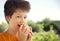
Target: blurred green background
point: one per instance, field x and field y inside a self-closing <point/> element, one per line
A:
<point x="46" y="30"/>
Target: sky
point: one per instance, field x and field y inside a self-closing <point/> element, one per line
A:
<point x="40" y="9"/>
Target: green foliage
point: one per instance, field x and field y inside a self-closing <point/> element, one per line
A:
<point x="35" y="27"/>
<point x="46" y="21"/>
<point x="45" y="36"/>
<point x="3" y="27"/>
<point x="41" y="27"/>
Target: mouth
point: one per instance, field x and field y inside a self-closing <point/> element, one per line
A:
<point x="19" y="25"/>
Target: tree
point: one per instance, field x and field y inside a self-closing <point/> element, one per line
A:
<point x="35" y="27"/>
<point x="3" y="27"/>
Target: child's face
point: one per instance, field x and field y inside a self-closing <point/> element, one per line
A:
<point x="17" y="18"/>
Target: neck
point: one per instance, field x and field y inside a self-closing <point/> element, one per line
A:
<point x="11" y="32"/>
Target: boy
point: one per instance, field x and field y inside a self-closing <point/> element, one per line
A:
<point x="16" y="13"/>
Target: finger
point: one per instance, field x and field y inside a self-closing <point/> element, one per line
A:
<point x="26" y="28"/>
<point x="31" y="30"/>
<point x="20" y="28"/>
<point x="27" y="31"/>
<point x="29" y="36"/>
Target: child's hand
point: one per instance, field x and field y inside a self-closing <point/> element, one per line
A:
<point x="29" y="37"/>
<point x="24" y="33"/>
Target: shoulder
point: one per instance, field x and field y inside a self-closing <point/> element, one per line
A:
<point x="2" y="36"/>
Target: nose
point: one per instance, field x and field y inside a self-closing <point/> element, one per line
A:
<point x="22" y="20"/>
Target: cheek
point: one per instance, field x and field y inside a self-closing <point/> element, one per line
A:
<point x="13" y="22"/>
<point x="18" y="21"/>
<point x="13" y="25"/>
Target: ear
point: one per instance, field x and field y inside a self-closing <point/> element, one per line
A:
<point x="8" y="18"/>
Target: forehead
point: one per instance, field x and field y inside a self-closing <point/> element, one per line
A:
<point x="19" y="12"/>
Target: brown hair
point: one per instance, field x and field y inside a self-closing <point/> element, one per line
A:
<point x="11" y="5"/>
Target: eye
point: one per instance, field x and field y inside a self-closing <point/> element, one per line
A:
<point x="25" y="17"/>
<point x="18" y="16"/>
